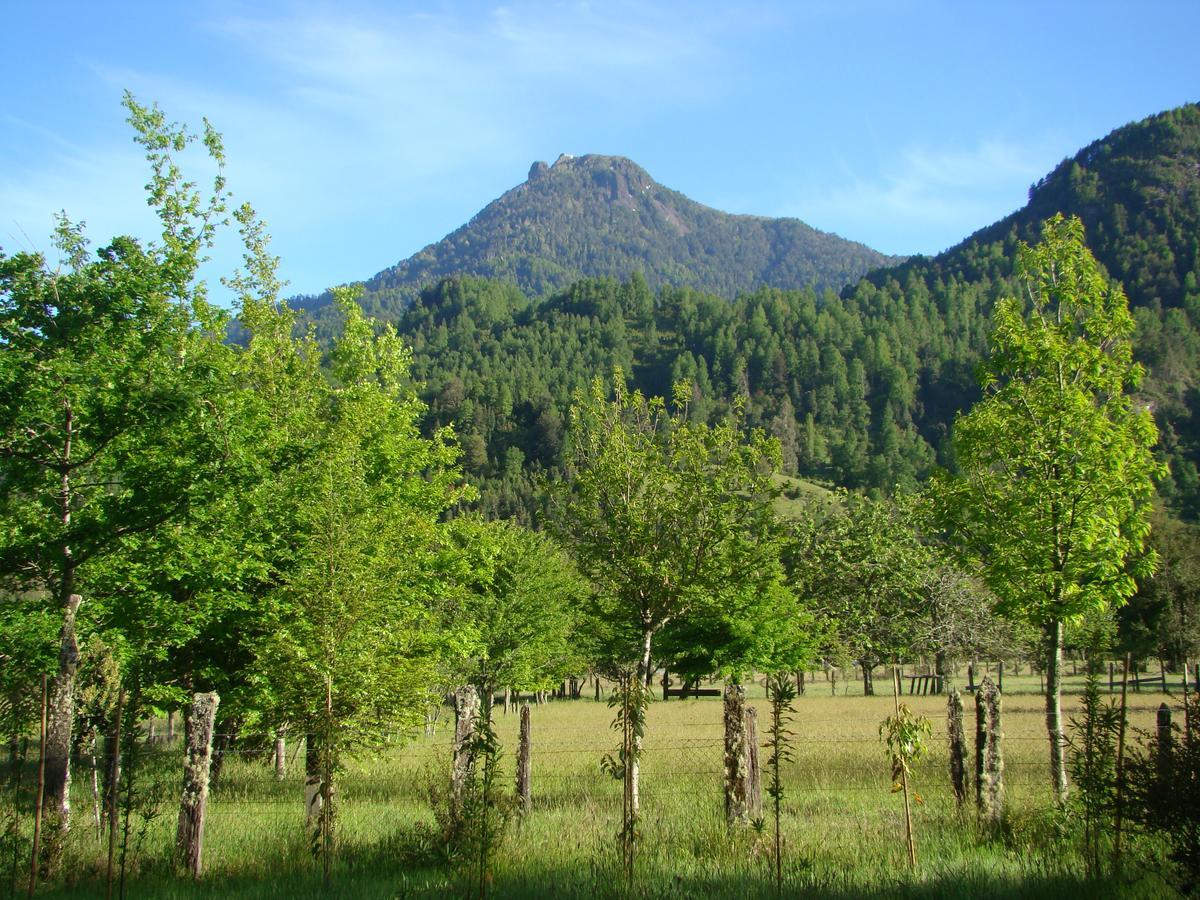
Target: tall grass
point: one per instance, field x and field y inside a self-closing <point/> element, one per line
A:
<point x="841" y="831"/>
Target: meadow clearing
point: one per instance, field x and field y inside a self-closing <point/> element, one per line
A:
<point x="843" y="828"/>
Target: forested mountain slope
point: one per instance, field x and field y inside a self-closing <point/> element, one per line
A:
<point x="598" y="216"/>
<point x="1137" y="192"/>
<point x="862" y="387"/>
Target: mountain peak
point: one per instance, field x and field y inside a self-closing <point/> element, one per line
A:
<point x="597" y="215"/>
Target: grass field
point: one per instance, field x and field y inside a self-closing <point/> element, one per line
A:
<point x="843" y="828"/>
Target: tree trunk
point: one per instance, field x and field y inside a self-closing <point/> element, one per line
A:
<point x="868" y="680"/>
<point x="939" y="671"/>
<point x="189" y="835"/>
<point x="1053" y="634"/>
<point x="280" y="756"/>
<point x="635" y="769"/>
<point x="60" y="720"/>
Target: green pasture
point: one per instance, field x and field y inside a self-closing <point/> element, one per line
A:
<point x="843" y="828"/>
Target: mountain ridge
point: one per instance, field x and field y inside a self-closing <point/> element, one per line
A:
<point x="598" y="215"/>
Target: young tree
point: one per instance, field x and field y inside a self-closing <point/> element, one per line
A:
<point x="520" y="602"/>
<point x="105" y="425"/>
<point x="357" y="635"/>
<point x="668" y="518"/>
<point x="860" y="563"/>
<point x="1057" y="472"/>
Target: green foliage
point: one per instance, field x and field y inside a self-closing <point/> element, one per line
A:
<point x="519" y="608"/>
<point x="860" y="564"/>
<point x="1057" y="462"/>
<point x="353" y="607"/>
<point x="670" y="520"/>
<point x="861" y="389"/>
<point x="905" y="735"/>
<point x="1057" y="467"/>
<point x="1092" y="762"/>
<point x="781" y="693"/>
<point x="631" y="699"/>
<point x="1163" y="782"/>
<point x="1163" y="618"/>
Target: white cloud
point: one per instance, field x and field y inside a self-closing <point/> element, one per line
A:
<point x="945" y="192"/>
<point x="355" y="124"/>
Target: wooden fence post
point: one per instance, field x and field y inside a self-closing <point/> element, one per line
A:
<point x="753" y="771"/>
<point x="466" y="701"/>
<point x="524" y="793"/>
<point x="312" y="782"/>
<point x="189" y="836"/>
<point x="989" y="760"/>
<point x="736" y="780"/>
<point x="958" y="746"/>
<point x="1163" y="736"/>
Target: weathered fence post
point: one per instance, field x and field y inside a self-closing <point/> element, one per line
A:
<point x="524" y="794"/>
<point x="736" y="780"/>
<point x="1163" y="737"/>
<point x="958" y="746"/>
<point x="170" y="726"/>
<point x="753" y="771"/>
<point x="989" y="760"/>
<point x="280" y="756"/>
<point x="189" y="836"/>
<point x="466" y="702"/>
<point x="312" y="782"/>
<point x="800" y="679"/>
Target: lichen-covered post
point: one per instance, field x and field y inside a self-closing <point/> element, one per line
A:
<point x="189" y="836"/>
<point x="736" y="780"/>
<point x="958" y="746"/>
<point x="466" y="702"/>
<point x="989" y="760"/>
<point x="313" y="783"/>
<point x="753" y="772"/>
<point x="524" y="792"/>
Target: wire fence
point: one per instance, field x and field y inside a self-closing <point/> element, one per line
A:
<point x="838" y="770"/>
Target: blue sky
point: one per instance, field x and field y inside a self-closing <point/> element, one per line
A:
<point x="364" y="131"/>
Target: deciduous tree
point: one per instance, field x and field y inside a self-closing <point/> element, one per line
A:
<point x="1057" y="473"/>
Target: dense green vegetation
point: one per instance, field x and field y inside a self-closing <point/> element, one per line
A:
<point x="861" y="388"/>
<point x="279" y="521"/>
